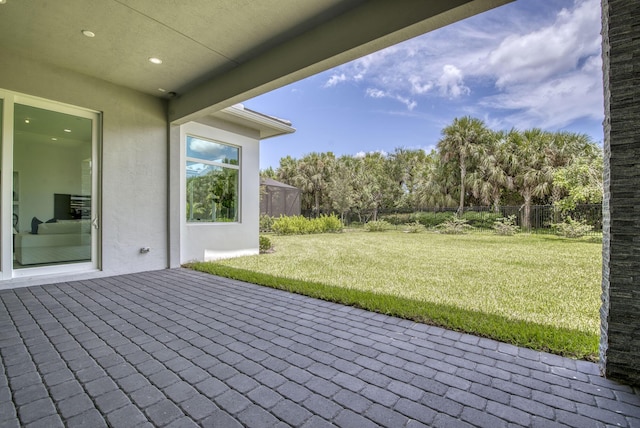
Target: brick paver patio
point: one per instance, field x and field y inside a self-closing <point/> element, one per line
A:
<point x="179" y="348"/>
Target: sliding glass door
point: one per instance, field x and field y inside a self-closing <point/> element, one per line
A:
<point x="53" y="188"/>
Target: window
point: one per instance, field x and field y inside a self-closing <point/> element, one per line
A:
<point x="213" y="171"/>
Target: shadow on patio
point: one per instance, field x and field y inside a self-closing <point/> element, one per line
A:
<point x="181" y="348"/>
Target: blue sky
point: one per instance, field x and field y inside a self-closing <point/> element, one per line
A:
<point x="527" y="64"/>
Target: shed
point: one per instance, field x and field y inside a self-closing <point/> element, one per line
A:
<point x="278" y="199"/>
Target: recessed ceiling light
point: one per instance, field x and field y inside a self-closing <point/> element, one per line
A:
<point x="88" y="33"/>
<point x="27" y="121"/>
<point x="67" y="130"/>
<point x="54" y="138"/>
<point x="155" y="60"/>
<point x="162" y="90"/>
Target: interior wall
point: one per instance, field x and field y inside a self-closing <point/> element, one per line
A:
<point x="43" y="170"/>
<point x="134" y="158"/>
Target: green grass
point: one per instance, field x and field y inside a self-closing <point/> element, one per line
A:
<point x="537" y="291"/>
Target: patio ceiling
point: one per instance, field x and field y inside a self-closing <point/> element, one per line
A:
<point x="215" y="53"/>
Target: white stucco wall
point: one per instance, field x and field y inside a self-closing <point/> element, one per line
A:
<point x="209" y="241"/>
<point x="134" y="159"/>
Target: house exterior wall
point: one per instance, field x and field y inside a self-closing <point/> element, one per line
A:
<point x="134" y="159"/>
<point x="210" y="241"/>
<point x="620" y="326"/>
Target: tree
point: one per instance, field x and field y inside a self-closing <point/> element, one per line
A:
<point x="375" y="184"/>
<point x="529" y="166"/>
<point x="437" y="183"/>
<point x="268" y="173"/>
<point x="406" y="169"/>
<point x="313" y="176"/>
<point x="565" y="150"/>
<point x="581" y="180"/>
<point x="463" y="142"/>
<point x="489" y="178"/>
<point x="341" y="188"/>
<point x="287" y="171"/>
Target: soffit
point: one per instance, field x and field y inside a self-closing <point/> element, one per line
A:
<point x="196" y="39"/>
<point x="216" y="53"/>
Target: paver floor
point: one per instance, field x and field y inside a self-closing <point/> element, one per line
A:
<point x="179" y="348"/>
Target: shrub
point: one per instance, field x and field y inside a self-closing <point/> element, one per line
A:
<point x="293" y="225"/>
<point x="454" y="226"/>
<point x="571" y="228"/>
<point x="431" y="219"/>
<point x="415" y="227"/>
<point x="397" y="219"/>
<point x="265" y="244"/>
<point x="377" y="226"/>
<point x="299" y="225"/>
<point x="506" y="226"/>
<point x="330" y="223"/>
<point x="481" y="219"/>
<point x="266" y="222"/>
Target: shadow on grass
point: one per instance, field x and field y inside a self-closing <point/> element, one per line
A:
<point x="556" y="340"/>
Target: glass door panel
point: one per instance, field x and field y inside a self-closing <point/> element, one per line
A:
<point x="52" y="184"/>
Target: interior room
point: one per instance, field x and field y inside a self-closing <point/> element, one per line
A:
<point x="52" y="187"/>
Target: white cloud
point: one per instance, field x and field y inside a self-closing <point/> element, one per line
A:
<point x="552" y="76"/>
<point x="451" y="82"/>
<point x="522" y="65"/>
<point x="554" y="103"/>
<point x="362" y="154"/>
<point x="411" y="104"/>
<point x="417" y="87"/>
<point x="540" y="55"/>
<point x="335" y="79"/>
<point x="378" y="93"/>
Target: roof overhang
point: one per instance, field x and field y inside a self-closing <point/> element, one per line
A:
<point x="267" y="126"/>
<point x="216" y="53"/>
<point x="365" y="28"/>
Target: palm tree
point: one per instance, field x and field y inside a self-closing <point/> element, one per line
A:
<point x="406" y="168"/>
<point x="462" y="143"/>
<point x="377" y="187"/>
<point x="435" y="185"/>
<point x="341" y="189"/>
<point x="314" y="172"/>
<point x="529" y="166"/>
<point x="287" y="170"/>
<point x="489" y="179"/>
<point x="566" y="146"/>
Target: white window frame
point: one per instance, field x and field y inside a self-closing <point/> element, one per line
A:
<point x="237" y="167"/>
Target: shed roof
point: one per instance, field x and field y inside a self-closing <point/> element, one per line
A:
<point x="274" y="183"/>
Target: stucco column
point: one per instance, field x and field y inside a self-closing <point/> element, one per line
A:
<point x="620" y="313"/>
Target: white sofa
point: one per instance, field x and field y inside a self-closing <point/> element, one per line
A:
<point x="62" y="241"/>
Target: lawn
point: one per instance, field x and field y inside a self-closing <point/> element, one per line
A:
<point x="538" y="291"/>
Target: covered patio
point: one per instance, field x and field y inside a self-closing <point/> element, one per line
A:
<point x="182" y="348"/>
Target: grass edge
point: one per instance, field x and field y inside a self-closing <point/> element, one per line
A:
<point x="560" y="341"/>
